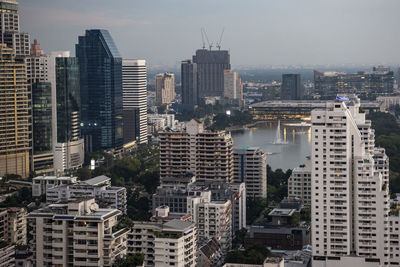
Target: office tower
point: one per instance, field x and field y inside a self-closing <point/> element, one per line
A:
<point x="350" y="194"/>
<point x="291" y="88"/>
<point x="99" y="187"/>
<point x="134" y="79"/>
<point x="171" y="243"/>
<point x="9" y="29"/>
<point x="250" y="167"/>
<point x="37" y="69"/>
<point x="76" y="233"/>
<point x="69" y="146"/>
<point x="210" y="71"/>
<point x="165" y="88"/>
<point x="15" y="132"/>
<point x="299" y="184"/>
<point x="42" y="127"/>
<point x="100" y="66"/>
<point x="208" y="155"/>
<point x="233" y="88"/>
<point x="190" y="93"/>
<point x="367" y="85"/>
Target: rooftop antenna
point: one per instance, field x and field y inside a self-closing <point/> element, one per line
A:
<point x="202" y="38"/>
<point x="220" y="39"/>
<point x="210" y="45"/>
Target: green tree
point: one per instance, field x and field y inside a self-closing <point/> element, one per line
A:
<point x="130" y="260"/>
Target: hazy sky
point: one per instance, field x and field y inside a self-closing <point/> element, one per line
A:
<point x="257" y="32"/>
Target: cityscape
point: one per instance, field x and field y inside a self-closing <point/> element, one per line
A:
<point x="109" y="160"/>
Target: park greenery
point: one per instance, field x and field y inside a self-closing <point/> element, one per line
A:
<point x="253" y="255"/>
<point x="129" y="260"/>
<point x="387" y="135"/>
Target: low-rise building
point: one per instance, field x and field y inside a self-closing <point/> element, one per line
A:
<point x="99" y="187"/>
<point x="77" y="233"/>
<point x="40" y="184"/>
<point x="171" y="243"/>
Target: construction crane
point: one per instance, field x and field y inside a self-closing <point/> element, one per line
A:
<point x="220" y="39"/>
<point x="210" y="45"/>
<point x="202" y="38"/>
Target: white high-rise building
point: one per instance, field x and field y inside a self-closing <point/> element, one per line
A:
<point x="233" y="88"/>
<point x="165" y="88"/>
<point x="350" y="194"/>
<point x="134" y="87"/>
<point x="251" y="168"/>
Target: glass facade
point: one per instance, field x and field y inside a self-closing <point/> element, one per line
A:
<point x="100" y="67"/>
<point x="42" y="119"/>
<point x="68" y="99"/>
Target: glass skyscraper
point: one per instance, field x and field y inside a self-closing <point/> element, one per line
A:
<point x="100" y="67"/>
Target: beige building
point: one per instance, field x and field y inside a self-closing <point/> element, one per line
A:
<point x="299" y="184"/>
<point x="15" y="129"/>
<point x="76" y="233"/>
<point x="171" y="243"/>
<point x="233" y="88"/>
<point x="13" y="225"/>
<point x="165" y="88"/>
<point x="208" y="155"/>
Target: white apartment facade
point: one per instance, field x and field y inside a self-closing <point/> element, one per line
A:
<point x="250" y="167"/>
<point x="165" y="88"/>
<point x="98" y="187"/>
<point x="299" y="184"/>
<point x="350" y="195"/>
<point x="76" y="233"/>
<point x="172" y="243"/>
<point x="40" y="184"/>
<point x="134" y="88"/>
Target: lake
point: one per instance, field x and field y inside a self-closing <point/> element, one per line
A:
<point x="291" y="154"/>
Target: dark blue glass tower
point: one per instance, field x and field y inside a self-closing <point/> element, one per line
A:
<point x="100" y="66"/>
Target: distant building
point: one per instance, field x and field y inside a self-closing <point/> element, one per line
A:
<point x="367" y="85"/>
<point x="250" y="167"/>
<point x="291" y="88"/>
<point x="172" y="243"/>
<point x="233" y="88"/>
<point x="68" y="143"/>
<point x="210" y="71"/>
<point x="15" y="115"/>
<point x="134" y="80"/>
<point x="209" y="155"/>
<point x="190" y="91"/>
<point x="160" y="122"/>
<point x="100" y="66"/>
<point x="10" y="31"/>
<point x="165" y="88"/>
<point x="299" y="184"/>
<point x="81" y="234"/>
<point x="42" y="140"/>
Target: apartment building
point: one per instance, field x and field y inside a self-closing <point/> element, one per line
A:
<point x="76" y="233"/>
<point x="299" y="184"/>
<point x="250" y="167"/>
<point x="7" y="254"/>
<point x="208" y="155"/>
<point x="99" y="187"/>
<point x="171" y="243"/>
<point x="13" y="225"/>
<point x="350" y="194"/>
<point x="40" y="184"/>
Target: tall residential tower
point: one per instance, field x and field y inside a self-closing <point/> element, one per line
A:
<point x="165" y="88"/>
<point x="350" y="188"/>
